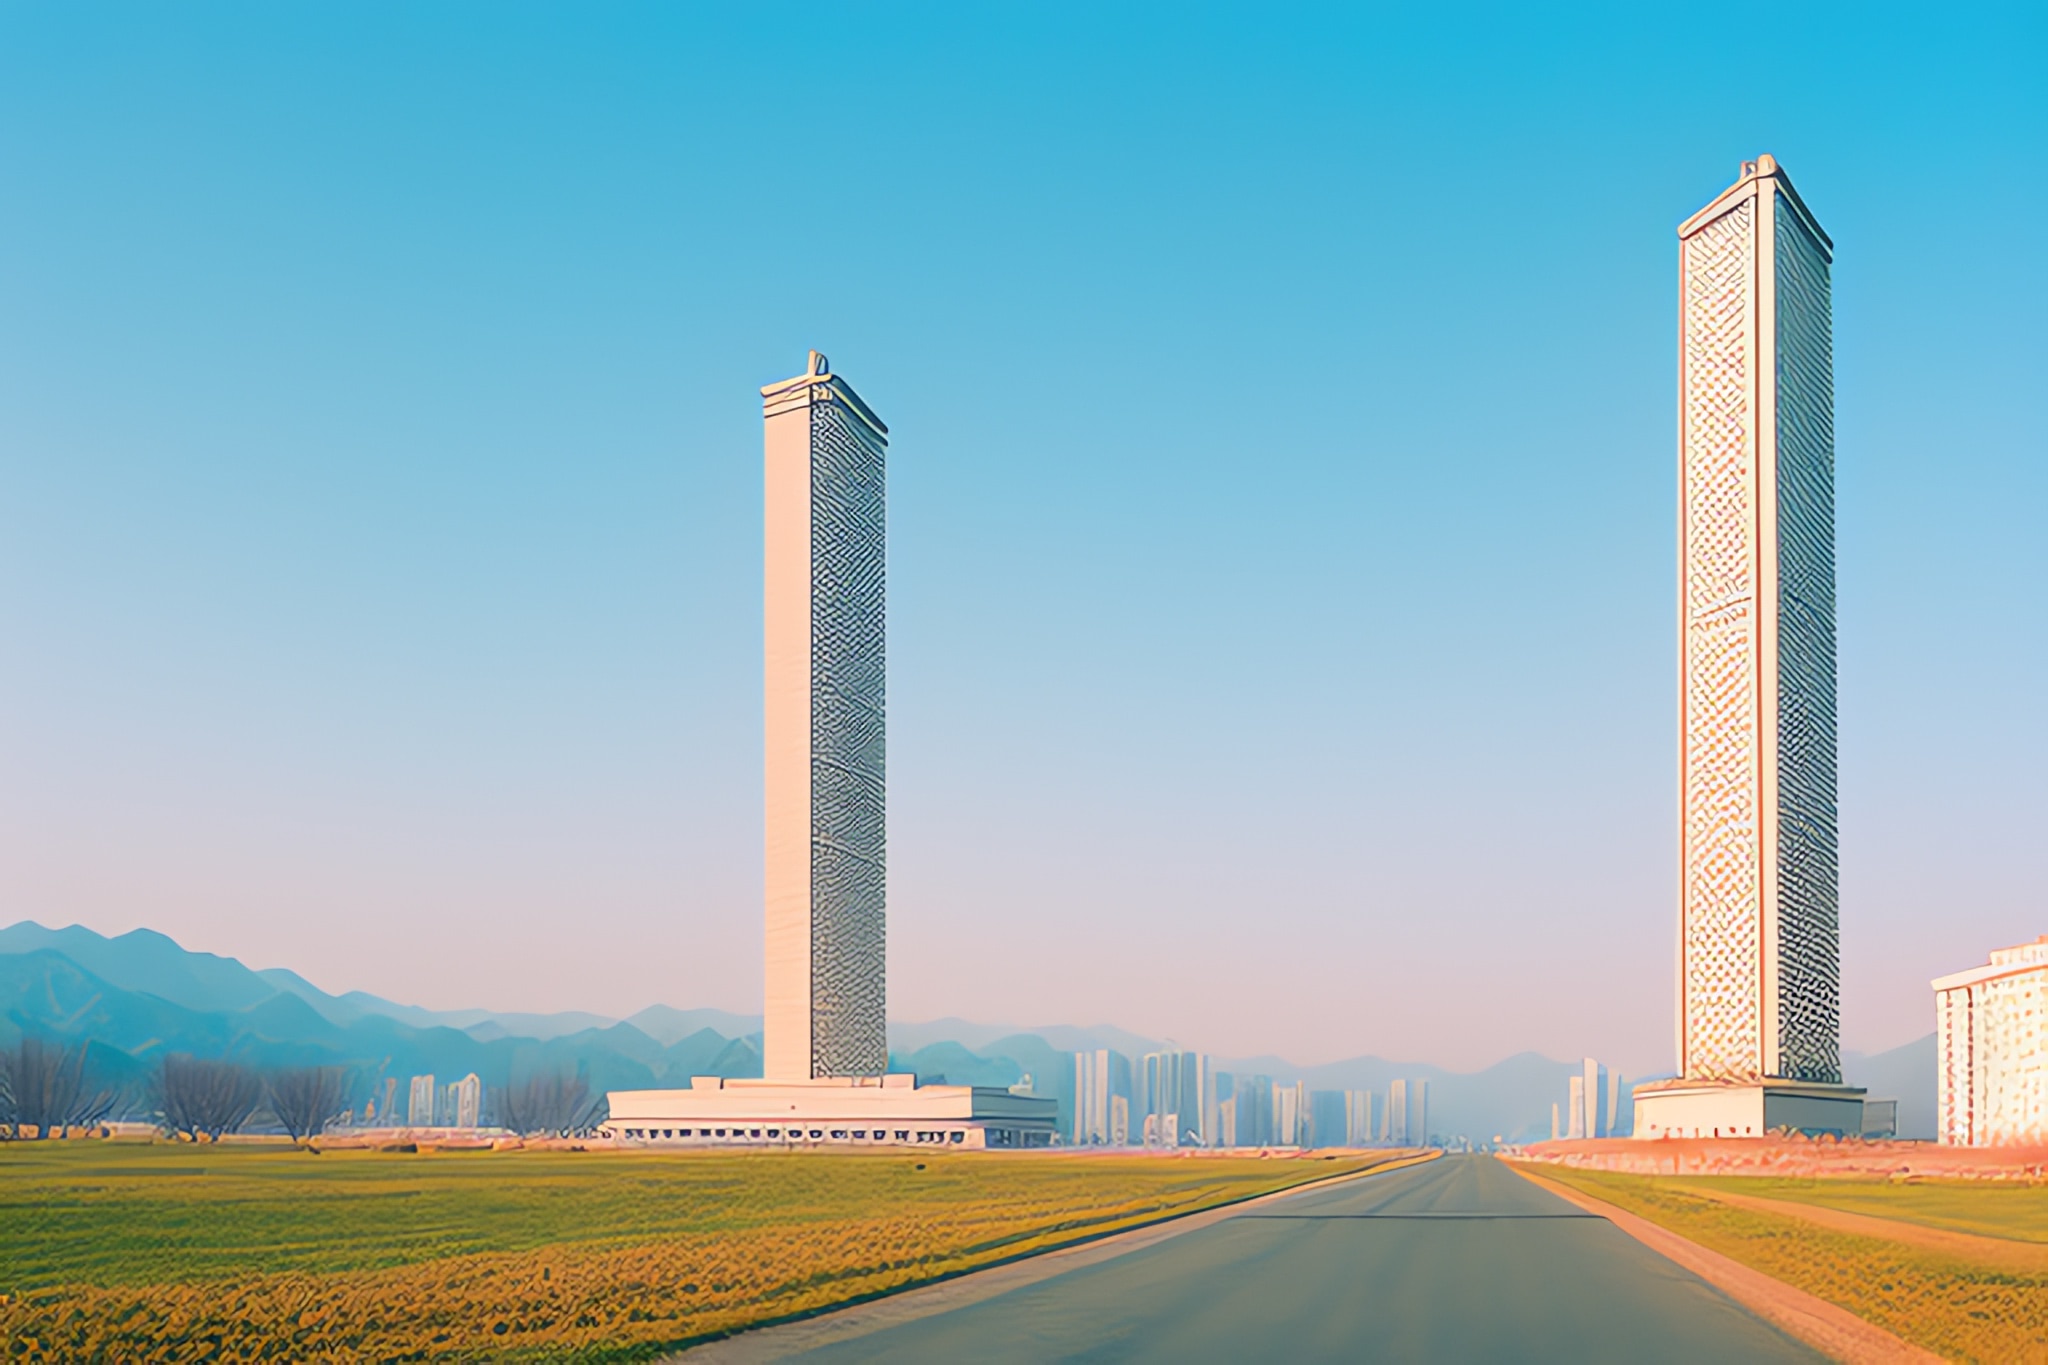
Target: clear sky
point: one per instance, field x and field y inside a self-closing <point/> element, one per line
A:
<point x="1282" y="493"/>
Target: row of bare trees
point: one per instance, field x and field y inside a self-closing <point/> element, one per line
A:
<point x="49" y="1087"/>
<point x="202" y="1097"/>
<point x="550" y="1103"/>
<point x="44" y="1085"/>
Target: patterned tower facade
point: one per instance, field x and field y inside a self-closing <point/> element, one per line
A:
<point x="1758" y="995"/>
<point x="825" y="598"/>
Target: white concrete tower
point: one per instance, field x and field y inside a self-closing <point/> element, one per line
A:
<point x="825" y="618"/>
<point x="1758" y="1004"/>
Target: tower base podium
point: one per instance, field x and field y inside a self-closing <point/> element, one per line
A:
<point x="858" y="1110"/>
<point x="1703" y="1108"/>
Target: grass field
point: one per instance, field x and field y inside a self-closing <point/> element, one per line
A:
<point x="172" y="1252"/>
<point x="1961" y="1306"/>
<point x="1981" y="1208"/>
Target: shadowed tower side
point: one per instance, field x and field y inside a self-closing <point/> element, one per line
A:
<point x="825" y="598"/>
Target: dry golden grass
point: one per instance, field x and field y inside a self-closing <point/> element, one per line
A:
<point x="1960" y="1308"/>
<point x="555" y="1256"/>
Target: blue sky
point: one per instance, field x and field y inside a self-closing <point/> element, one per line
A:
<point x="1281" y="493"/>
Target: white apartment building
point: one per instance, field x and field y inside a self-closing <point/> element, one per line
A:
<point x="1991" y="1073"/>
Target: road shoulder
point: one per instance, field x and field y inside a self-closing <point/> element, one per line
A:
<point x="1834" y="1331"/>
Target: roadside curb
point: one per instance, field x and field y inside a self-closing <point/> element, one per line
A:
<point x="1832" y="1330"/>
<point x="780" y="1339"/>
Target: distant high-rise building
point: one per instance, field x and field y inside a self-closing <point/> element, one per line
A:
<point x="1358" y="1129"/>
<point x="1397" y="1112"/>
<point x="1758" y="1006"/>
<point x="1094" y="1084"/>
<point x="1418" y="1115"/>
<point x="1182" y="1084"/>
<point x="1287" y="1114"/>
<point x="1575" y="1108"/>
<point x="1613" y="1103"/>
<point x="469" y="1101"/>
<point x="1554" y="1134"/>
<point x="1991" y="1050"/>
<point x="419" y="1109"/>
<point x="1226" y="1122"/>
<point x="1253" y="1098"/>
<point x="1119" y="1120"/>
<point x="1591" y="1077"/>
<point x="1329" y="1118"/>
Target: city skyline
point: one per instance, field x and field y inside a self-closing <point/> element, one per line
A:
<point x="404" y="600"/>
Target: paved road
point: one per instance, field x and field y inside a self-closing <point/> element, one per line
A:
<point x="1457" y="1260"/>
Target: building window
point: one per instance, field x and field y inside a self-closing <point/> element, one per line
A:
<point x="721" y="1132"/>
<point x="775" y="1132"/>
<point x="753" y="1132"/>
<point x="816" y="1133"/>
<point x="959" y="1137"/>
<point x="839" y="1135"/>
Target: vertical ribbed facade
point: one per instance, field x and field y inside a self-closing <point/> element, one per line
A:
<point x="826" y="703"/>
<point x="1758" y="992"/>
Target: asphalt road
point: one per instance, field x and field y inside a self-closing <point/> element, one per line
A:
<point x="1456" y="1260"/>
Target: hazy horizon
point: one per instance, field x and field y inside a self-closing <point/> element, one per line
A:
<point x="1282" y="571"/>
<point x="1039" y="1026"/>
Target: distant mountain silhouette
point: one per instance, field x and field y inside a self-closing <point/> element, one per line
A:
<point x="144" y="960"/>
<point x="139" y="995"/>
<point x="143" y="996"/>
<point x="671" y="1025"/>
<point x="1907" y="1074"/>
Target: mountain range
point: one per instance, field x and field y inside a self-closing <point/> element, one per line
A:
<point x="139" y="995"/>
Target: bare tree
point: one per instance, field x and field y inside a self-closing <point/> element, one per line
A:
<point x="44" y="1084"/>
<point x="549" y="1102"/>
<point x="210" y="1097"/>
<point x="304" y="1097"/>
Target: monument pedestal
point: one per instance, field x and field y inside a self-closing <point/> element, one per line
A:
<point x="1703" y="1108"/>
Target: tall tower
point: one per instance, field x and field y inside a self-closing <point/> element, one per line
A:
<point x="825" y="617"/>
<point x="1758" y="1004"/>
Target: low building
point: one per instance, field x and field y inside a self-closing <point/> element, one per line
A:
<point x="1991" y="1074"/>
<point x="856" y="1110"/>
